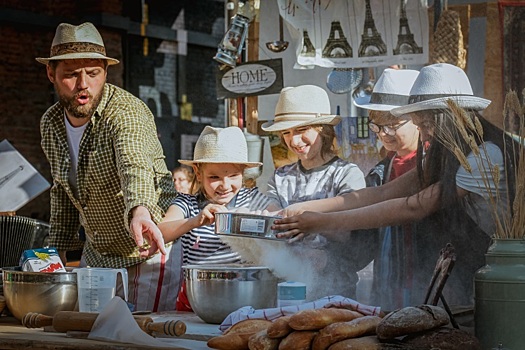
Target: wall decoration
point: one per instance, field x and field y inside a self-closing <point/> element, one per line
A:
<point x="357" y="33"/>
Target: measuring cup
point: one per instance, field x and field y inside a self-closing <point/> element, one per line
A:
<point x="97" y="286"/>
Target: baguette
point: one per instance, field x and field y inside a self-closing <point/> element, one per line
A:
<point x="344" y="330"/>
<point x="363" y="343"/>
<point x="234" y="341"/>
<point x="248" y="326"/>
<point x="411" y="320"/>
<point x="297" y="340"/>
<point x="280" y="328"/>
<point x="261" y="341"/>
<point x="315" y="319"/>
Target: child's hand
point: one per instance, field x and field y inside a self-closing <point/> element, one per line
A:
<point x="207" y="215"/>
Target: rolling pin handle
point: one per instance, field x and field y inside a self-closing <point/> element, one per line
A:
<point x="36" y="320"/>
<point x="172" y="328"/>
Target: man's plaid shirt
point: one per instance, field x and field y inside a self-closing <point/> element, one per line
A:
<point x="120" y="166"/>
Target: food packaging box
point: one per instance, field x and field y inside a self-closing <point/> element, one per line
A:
<point x="41" y="260"/>
<point x="245" y="225"/>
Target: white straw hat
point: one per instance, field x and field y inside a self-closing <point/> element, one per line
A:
<point x="300" y="106"/>
<point x="221" y="145"/>
<point x="438" y="83"/>
<point x="391" y="90"/>
<point x="77" y="42"/>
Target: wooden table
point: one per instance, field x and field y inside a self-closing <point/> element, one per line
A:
<point x="15" y="336"/>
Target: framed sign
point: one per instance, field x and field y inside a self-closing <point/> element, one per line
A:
<point x="250" y="79"/>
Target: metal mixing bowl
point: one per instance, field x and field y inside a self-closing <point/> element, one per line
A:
<point x="214" y="291"/>
<point x="41" y="292"/>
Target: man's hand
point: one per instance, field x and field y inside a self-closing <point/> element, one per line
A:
<point x="143" y="228"/>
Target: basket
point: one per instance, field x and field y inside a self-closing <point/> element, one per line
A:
<point x="448" y="41"/>
<point x="17" y="234"/>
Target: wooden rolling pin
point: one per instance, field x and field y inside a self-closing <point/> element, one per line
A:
<point x="65" y="321"/>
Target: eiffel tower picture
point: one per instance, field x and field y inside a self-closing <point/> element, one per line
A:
<point x="405" y="39"/>
<point x="371" y="42"/>
<point x="308" y="49"/>
<point x="337" y="47"/>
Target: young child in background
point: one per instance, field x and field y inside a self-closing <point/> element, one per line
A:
<point x="182" y="178"/>
<point x="219" y="161"/>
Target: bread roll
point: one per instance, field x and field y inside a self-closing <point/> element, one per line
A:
<point x="298" y="340"/>
<point x="280" y="328"/>
<point x="363" y="343"/>
<point x="235" y="341"/>
<point x="445" y="339"/>
<point x="248" y="326"/>
<point x="315" y="319"/>
<point x="344" y="330"/>
<point x="261" y="341"/>
<point x="411" y="320"/>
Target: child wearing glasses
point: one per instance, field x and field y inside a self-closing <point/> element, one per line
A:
<point x="394" y="256"/>
<point x="305" y="124"/>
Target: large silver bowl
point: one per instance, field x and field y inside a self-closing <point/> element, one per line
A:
<point x="214" y="291"/>
<point x="41" y="292"/>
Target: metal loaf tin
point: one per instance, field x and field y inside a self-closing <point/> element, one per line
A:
<point x="245" y="225"/>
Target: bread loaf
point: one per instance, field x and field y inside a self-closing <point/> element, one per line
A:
<point x="261" y="341"/>
<point x="344" y="330"/>
<point x="248" y="326"/>
<point x="280" y="328"/>
<point x="234" y="341"/>
<point x="298" y="340"/>
<point x="445" y="339"/>
<point x="315" y="319"/>
<point x="411" y="320"/>
<point x="362" y="343"/>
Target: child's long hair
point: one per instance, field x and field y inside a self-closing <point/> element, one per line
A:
<point x="327" y="134"/>
<point x="196" y="186"/>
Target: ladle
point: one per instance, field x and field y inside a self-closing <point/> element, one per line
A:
<point x="278" y="45"/>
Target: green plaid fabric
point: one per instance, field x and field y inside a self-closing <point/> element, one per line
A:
<point x="121" y="165"/>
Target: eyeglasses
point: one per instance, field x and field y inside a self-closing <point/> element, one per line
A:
<point x="387" y="129"/>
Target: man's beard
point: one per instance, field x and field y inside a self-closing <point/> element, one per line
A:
<point x="79" y="111"/>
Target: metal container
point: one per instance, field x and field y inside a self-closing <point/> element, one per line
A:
<point x="245" y="225"/>
<point x="45" y="293"/>
<point x="215" y="291"/>
<point x="17" y="234"/>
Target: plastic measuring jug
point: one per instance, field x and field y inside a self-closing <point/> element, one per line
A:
<point x="97" y="286"/>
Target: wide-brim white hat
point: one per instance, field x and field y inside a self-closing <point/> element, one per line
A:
<point x="391" y="90"/>
<point x="301" y="106"/>
<point x="438" y="83"/>
<point x="77" y="42"/>
<point x="221" y="145"/>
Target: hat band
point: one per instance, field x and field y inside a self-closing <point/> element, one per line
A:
<point x="388" y="99"/>
<point x="293" y="116"/>
<point x="420" y="98"/>
<point x="77" y="47"/>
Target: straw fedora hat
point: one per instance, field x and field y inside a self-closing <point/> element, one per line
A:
<point x="391" y="90"/>
<point x="438" y="83"/>
<point x="77" y="42"/>
<point x="221" y="145"/>
<point x="300" y="106"/>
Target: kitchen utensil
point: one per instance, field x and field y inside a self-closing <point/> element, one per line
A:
<point x="46" y="293"/>
<point x="96" y="287"/>
<point x="16" y="235"/>
<point x="344" y="80"/>
<point x="278" y="45"/>
<point x="214" y="291"/>
<point x="65" y="321"/>
<point x="246" y="225"/>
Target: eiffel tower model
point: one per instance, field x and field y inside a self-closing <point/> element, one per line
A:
<point x="371" y="42"/>
<point x="337" y="47"/>
<point x="405" y="39"/>
<point x="308" y="49"/>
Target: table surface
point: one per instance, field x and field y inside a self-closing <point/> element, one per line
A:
<point x="15" y="336"/>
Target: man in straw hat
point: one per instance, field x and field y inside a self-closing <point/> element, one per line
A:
<point x="109" y="174"/>
<point x="305" y="124"/>
<point x="457" y="181"/>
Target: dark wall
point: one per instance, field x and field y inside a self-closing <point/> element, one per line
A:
<point x="159" y="76"/>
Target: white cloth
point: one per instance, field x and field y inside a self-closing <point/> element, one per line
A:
<point x="248" y="312"/>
